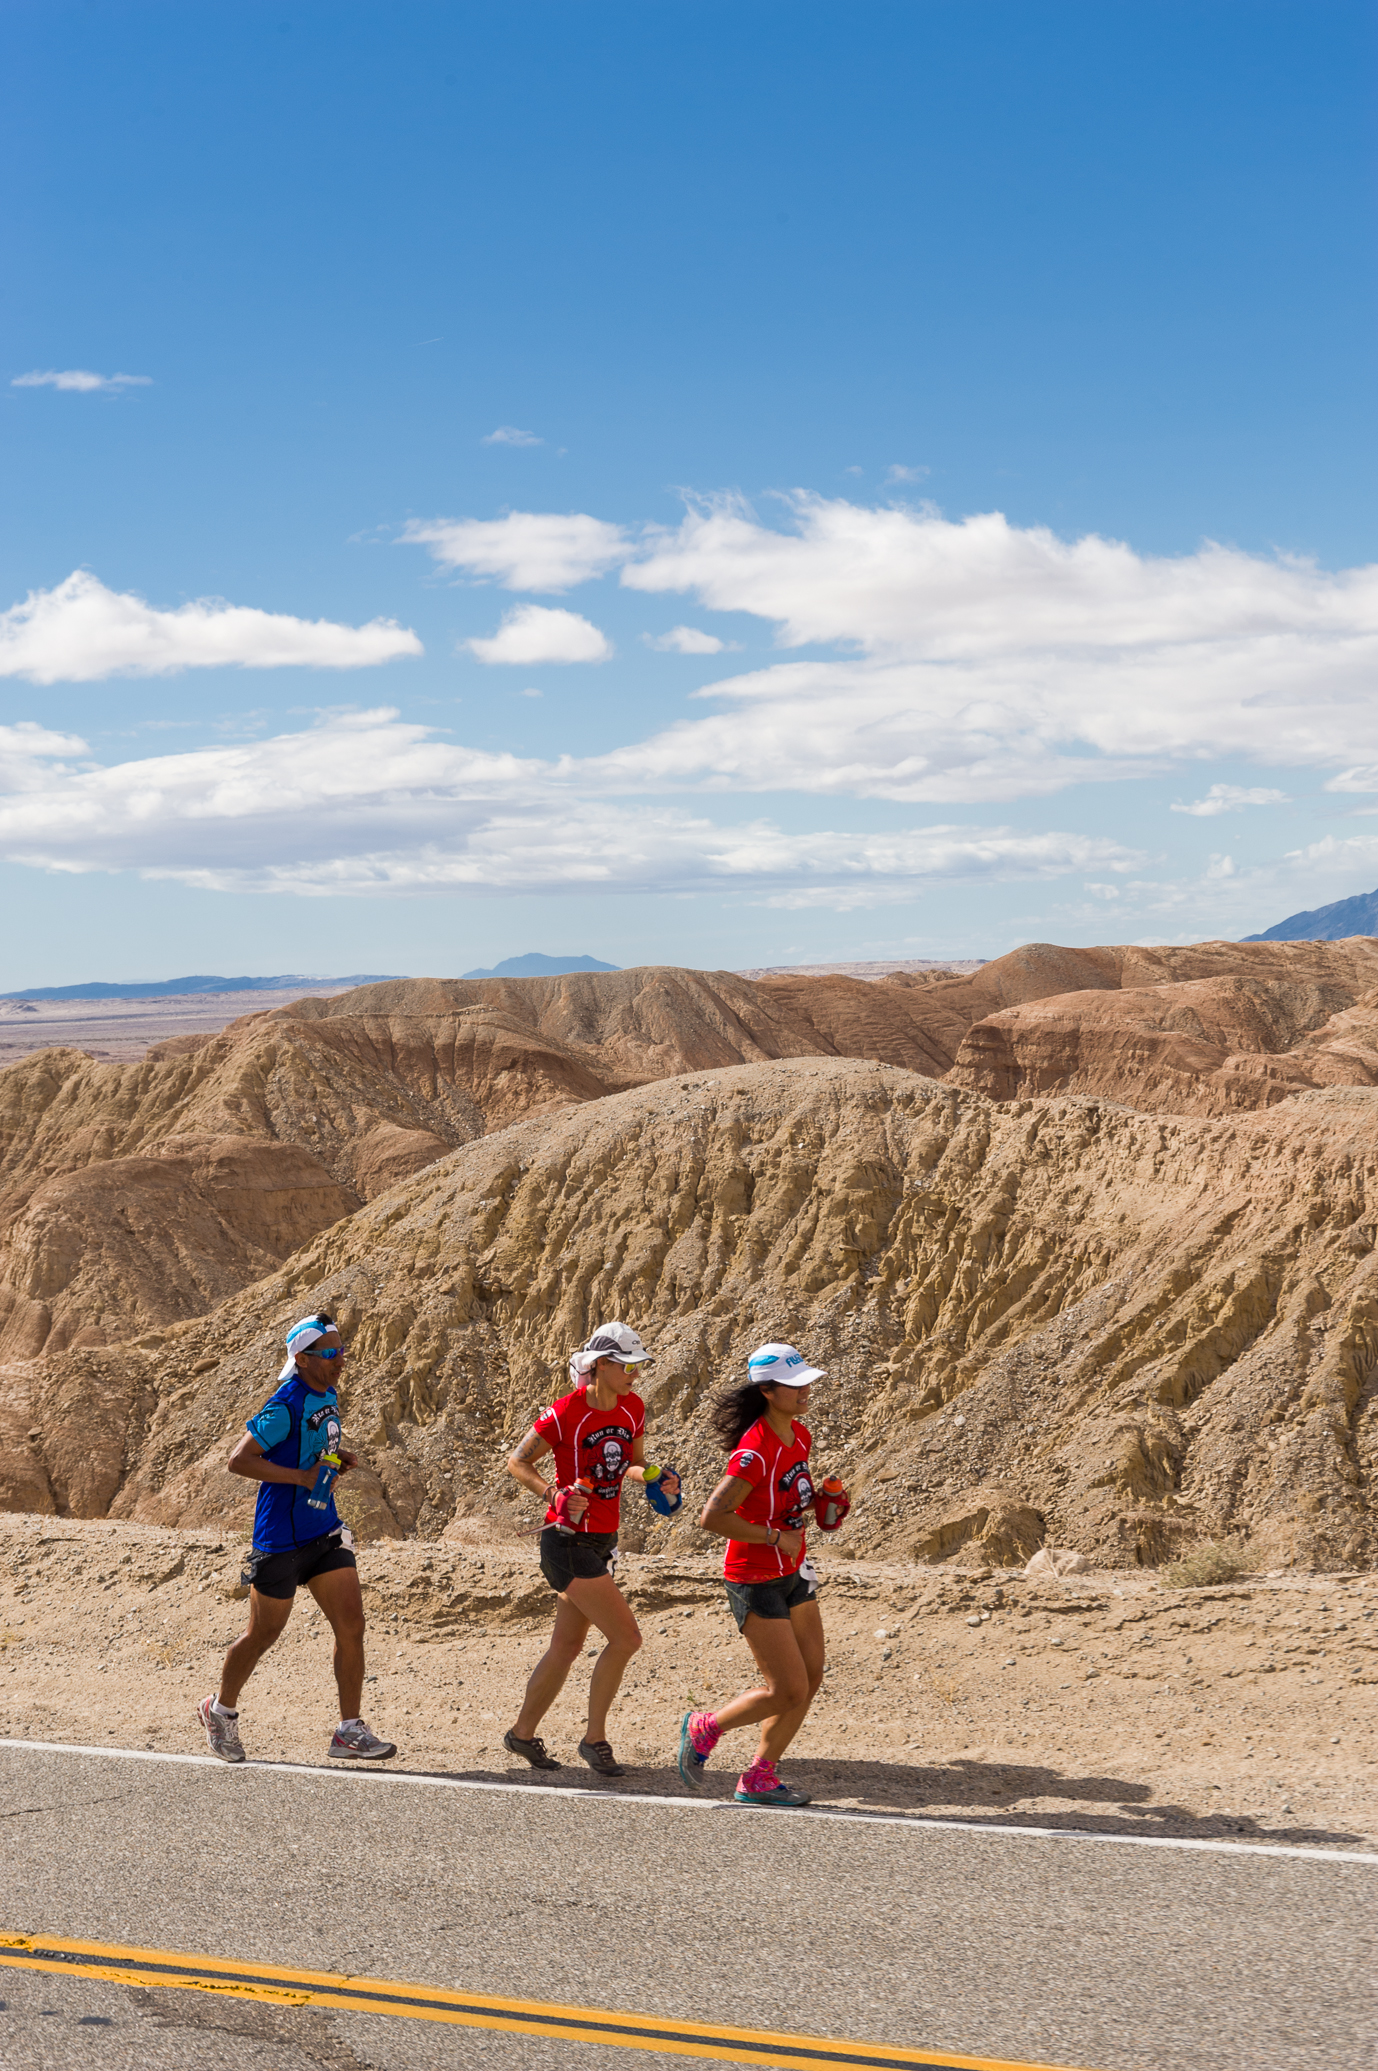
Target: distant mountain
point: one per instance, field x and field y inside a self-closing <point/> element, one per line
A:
<point x="1356" y="916"/>
<point x="169" y="988"/>
<point x="537" y="966"/>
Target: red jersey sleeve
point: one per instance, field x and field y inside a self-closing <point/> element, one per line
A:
<point x="748" y="1465"/>
<point x="547" y="1424"/>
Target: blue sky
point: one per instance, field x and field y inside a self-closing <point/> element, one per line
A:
<point x="991" y="383"/>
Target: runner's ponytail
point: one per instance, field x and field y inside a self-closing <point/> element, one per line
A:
<point x="736" y="1412"/>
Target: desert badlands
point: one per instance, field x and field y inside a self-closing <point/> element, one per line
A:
<point x="1086" y="1239"/>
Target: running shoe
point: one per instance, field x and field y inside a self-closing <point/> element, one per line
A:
<point x="599" y="1755"/>
<point x="696" y="1744"/>
<point x="222" y="1734"/>
<point x="532" y="1751"/>
<point x="761" y="1786"/>
<point x="356" y="1744"/>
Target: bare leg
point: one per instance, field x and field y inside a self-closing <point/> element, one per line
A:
<point x="790" y="1657"/>
<point x="549" y="1675"/>
<point x="340" y="1597"/>
<point x="267" y="1617"/>
<point x="600" y="1602"/>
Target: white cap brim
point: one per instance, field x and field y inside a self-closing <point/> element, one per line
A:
<point x="800" y="1380"/>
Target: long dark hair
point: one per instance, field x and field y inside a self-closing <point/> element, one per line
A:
<point x="736" y="1411"/>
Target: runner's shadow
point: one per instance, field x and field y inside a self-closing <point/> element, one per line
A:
<point x="981" y="1793"/>
<point x="978" y="1791"/>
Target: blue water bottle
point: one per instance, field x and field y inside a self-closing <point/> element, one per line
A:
<point x="656" y="1494"/>
<point x="318" y="1495"/>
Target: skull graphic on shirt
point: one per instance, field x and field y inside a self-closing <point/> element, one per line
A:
<point x="609" y="1468"/>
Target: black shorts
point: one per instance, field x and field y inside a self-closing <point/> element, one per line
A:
<point x="278" y="1574"/>
<point x="576" y="1556"/>
<point x="770" y="1599"/>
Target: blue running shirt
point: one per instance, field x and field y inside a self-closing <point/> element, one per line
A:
<point x="292" y="1429"/>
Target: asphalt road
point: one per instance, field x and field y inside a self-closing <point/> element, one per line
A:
<point x="1062" y="1951"/>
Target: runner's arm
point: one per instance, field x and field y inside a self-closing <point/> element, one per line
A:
<point x="521" y="1465"/>
<point x="720" y="1516"/>
<point x="248" y="1459"/>
<point x="637" y="1470"/>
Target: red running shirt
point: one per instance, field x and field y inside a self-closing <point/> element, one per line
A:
<point x="781" y="1488"/>
<point x="594" y="1443"/>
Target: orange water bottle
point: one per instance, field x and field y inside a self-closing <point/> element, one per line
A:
<point x="830" y="1505"/>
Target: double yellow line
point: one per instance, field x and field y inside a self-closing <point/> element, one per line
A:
<point x="131" y="1966"/>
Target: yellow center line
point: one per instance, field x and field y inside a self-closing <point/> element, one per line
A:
<point x="121" y="1965"/>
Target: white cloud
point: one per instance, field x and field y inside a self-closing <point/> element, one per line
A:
<point x="532" y="633"/>
<point x="1225" y="798"/>
<point x="510" y="435"/>
<point x="527" y="550"/>
<point x="896" y="473"/>
<point x="981" y="661"/>
<point x="81" y="381"/>
<point x="27" y="751"/>
<point x="364" y="803"/>
<point x="81" y="632"/>
<point x="923" y="661"/>
<point x="686" y="640"/>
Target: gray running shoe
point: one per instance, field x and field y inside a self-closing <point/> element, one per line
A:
<point x="222" y="1734"/>
<point x="357" y="1744"/>
<point x="600" y="1756"/>
<point x="533" y="1751"/>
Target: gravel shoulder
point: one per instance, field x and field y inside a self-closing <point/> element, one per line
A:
<point x="1102" y="1702"/>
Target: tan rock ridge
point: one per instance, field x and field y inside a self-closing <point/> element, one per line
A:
<point x="334" y="1100"/>
<point x="1060" y="1319"/>
<point x="1181" y="1037"/>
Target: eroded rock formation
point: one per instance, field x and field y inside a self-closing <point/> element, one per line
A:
<point x="1051" y="1319"/>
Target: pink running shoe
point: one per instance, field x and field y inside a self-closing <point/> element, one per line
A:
<point x="760" y="1785"/>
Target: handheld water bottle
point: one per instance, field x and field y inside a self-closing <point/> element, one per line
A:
<point x="656" y="1494"/>
<point x="327" y="1468"/>
<point x="563" y="1522"/>
<point x="831" y="1504"/>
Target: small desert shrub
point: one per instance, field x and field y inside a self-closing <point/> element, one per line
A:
<point x="1207" y="1563"/>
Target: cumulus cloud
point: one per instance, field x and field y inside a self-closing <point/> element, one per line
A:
<point x="534" y="633"/>
<point x="896" y="473"/>
<point x="80" y="381"/>
<point x="686" y="640"/>
<point x="977" y="660"/>
<point x="526" y="550"/>
<point x="1227" y="798"/>
<point x="81" y="632"/>
<point x="367" y="803"/>
<point x="27" y="751"/>
<point x="510" y="435"/>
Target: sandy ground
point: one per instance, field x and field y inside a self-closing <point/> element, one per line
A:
<point x="1101" y="1702"/>
<point x="122" y="1030"/>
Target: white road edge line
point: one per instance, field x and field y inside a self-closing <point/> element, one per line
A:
<point x="914" y="1822"/>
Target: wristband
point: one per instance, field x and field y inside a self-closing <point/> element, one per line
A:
<point x="776" y="1540"/>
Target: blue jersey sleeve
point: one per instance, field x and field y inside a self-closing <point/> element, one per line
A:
<point x="270" y="1426"/>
